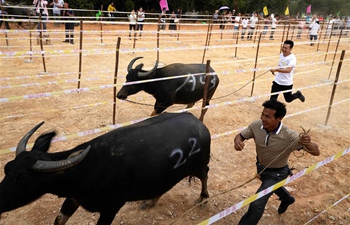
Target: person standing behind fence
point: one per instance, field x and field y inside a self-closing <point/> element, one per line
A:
<point x="56" y="11"/>
<point x="284" y="74"/>
<point x="245" y="22"/>
<point x="132" y="24"/>
<point x="301" y="26"/>
<point x="314" y="28"/>
<point x="236" y="24"/>
<point x="140" y="20"/>
<point x="253" y="21"/>
<point x="162" y="19"/>
<point x="273" y="25"/>
<point x="111" y="10"/>
<point x="41" y="7"/>
<point x="68" y="15"/>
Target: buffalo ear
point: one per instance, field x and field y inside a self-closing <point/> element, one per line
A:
<point x="139" y="67"/>
<point x="42" y="143"/>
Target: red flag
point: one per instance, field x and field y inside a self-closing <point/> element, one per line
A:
<point x="308" y="9"/>
<point x="163" y="4"/>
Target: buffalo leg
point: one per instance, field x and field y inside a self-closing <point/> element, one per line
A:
<point x="107" y="215"/>
<point x="150" y="203"/>
<point x="69" y="206"/>
<point x="190" y="105"/>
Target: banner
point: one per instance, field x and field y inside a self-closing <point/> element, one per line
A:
<point x="163" y="4"/>
<point x="287" y="11"/>
<point x="265" y="11"/>
<point x="308" y="9"/>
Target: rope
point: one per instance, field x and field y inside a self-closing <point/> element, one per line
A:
<point x="241" y="87"/>
<point x="251" y="179"/>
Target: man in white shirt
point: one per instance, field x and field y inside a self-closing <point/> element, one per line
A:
<point x="273" y="25"/>
<point x="236" y="24"/>
<point x="253" y="21"/>
<point x="245" y="22"/>
<point x="284" y="74"/>
<point x="313" y="32"/>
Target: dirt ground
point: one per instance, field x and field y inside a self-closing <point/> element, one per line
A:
<point x="24" y="105"/>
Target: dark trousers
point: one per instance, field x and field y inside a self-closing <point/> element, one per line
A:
<point x="272" y="33"/>
<point x="69" y="27"/>
<point x="250" y="33"/>
<point x="268" y="177"/>
<point x="288" y="96"/>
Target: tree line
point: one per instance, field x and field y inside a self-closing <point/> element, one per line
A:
<point x="320" y="7"/>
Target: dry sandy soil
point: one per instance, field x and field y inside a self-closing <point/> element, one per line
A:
<point x="79" y="112"/>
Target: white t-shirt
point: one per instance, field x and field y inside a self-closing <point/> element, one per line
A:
<point x="140" y="16"/>
<point x="245" y="23"/>
<point x="132" y="18"/>
<point x="253" y="21"/>
<point x="284" y="62"/>
<point x="237" y="20"/>
<point x="273" y="22"/>
<point x="314" y="29"/>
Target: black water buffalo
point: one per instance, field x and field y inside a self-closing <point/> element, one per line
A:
<point x="137" y="162"/>
<point x="185" y="90"/>
<point x="21" y="12"/>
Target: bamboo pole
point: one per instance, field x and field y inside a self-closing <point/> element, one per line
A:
<point x="206" y="87"/>
<point x="335" y="86"/>
<point x="329" y="41"/>
<point x="206" y="46"/>
<point x="115" y="78"/>
<point x="41" y="42"/>
<point x="80" y="52"/>
<point x="255" y="65"/>
<point x="318" y="44"/>
<point x="101" y="29"/>
<point x="335" y="53"/>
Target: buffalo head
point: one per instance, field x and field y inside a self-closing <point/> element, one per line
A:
<point x="136" y="74"/>
<point x="29" y="175"/>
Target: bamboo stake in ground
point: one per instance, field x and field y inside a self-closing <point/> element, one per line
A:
<point x="80" y="52"/>
<point x="335" y="86"/>
<point x="335" y="53"/>
<point x="255" y="65"/>
<point x="115" y="78"/>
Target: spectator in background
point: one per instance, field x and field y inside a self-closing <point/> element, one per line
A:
<point x="68" y="15"/>
<point x="301" y="26"/>
<point x="111" y="10"/>
<point x="172" y="23"/>
<point x="132" y="24"/>
<point x="236" y="24"/>
<point x="140" y="20"/>
<point x="253" y="21"/>
<point x="216" y="16"/>
<point x="162" y="19"/>
<point x="245" y="22"/>
<point x="178" y="13"/>
<point x="273" y="25"/>
<point x="266" y="26"/>
<point x="56" y="11"/>
<point x="314" y="28"/>
<point x="41" y="8"/>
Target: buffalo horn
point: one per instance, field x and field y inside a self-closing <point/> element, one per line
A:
<point x="143" y="75"/>
<point x="53" y="166"/>
<point x="23" y="142"/>
<point x="132" y="63"/>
